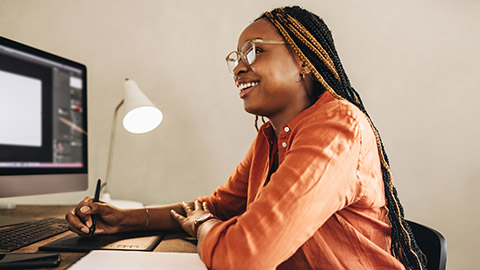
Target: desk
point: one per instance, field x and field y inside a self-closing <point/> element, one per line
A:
<point x="172" y="242"/>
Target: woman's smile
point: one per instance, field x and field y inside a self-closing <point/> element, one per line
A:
<point x="246" y="88"/>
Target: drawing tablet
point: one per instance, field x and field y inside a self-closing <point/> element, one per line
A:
<point x="139" y="241"/>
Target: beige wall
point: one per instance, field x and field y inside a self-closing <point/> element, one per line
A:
<point x="415" y="64"/>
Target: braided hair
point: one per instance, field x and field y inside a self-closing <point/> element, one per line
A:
<point x="309" y="38"/>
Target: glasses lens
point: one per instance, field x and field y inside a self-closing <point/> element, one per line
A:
<point x="232" y="60"/>
<point x="249" y="52"/>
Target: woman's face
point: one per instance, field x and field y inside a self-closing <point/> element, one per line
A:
<point x="278" y="90"/>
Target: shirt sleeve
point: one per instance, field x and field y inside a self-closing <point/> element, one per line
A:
<point x="230" y="199"/>
<point x="316" y="179"/>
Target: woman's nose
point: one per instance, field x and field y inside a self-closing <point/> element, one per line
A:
<point x="240" y="68"/>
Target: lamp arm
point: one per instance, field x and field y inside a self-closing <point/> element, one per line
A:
<point x="111" y="147"/>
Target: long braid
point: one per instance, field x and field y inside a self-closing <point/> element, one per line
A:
<point x="311" y="40"/>
<point x="256" y="121"/>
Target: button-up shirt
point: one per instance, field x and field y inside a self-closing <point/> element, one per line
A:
<point x="323" y="208"/>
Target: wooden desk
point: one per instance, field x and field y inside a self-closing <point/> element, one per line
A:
<point x="173" y="242"/>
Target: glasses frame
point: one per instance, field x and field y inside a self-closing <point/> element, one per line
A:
<point x="243" y="56"/>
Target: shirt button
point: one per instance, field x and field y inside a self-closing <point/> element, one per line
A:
<point x="284" y="144"/>
<point x="287" y="129"/>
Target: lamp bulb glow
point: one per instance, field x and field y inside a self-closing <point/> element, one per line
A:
<point x="142" y="119"/>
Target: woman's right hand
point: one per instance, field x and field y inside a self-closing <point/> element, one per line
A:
<point x="108" y="217"/>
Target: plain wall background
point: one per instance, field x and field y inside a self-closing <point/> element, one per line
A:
<point x="415" y="63"/>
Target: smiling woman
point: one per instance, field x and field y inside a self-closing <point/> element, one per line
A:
<point x="314" y="190"/>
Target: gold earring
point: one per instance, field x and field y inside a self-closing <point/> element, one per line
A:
<point x="305" y="69"/>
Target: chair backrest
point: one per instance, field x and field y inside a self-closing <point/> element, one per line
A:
<point x="433" y="245"/>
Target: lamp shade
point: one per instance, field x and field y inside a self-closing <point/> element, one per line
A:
<point x="141" y="115"/>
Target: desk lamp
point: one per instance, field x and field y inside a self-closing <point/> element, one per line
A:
<point x="141" y="116"/>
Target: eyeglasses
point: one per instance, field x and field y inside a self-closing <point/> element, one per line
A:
<point x="248" y="53"/>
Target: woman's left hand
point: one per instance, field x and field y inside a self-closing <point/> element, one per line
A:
<point x="187" y="222"/>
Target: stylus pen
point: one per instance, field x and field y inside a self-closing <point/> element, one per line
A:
<point x="95" y="199"/>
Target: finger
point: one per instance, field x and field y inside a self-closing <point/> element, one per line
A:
<point x="98" y="209"/>
<point x="73" y="229"/>
<point x="87" y="199"/>
<point x="75" y="223"/>
<point x="79" y="233"/>
<point x="73" y="219"/>
<point x="85" y="215"/>
<point x="176" y="216"/>
<point x="86" y="211"/>
<point x="81" y="214"/>
<point x="198" y="206"/>
<point x="186" y="207"/>
<point x="205" y="207"/>
<point x="95" y="208"/>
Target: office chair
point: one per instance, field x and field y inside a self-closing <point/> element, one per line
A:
<point x="433" y="245"/>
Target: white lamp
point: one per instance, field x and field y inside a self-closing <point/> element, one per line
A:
<point x="141" y="116"/>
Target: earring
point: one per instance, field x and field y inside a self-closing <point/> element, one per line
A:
<point x="305" y="70"/>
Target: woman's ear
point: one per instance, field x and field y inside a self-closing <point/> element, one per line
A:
<point x="306" y="77"/>
<point x="305" y="69"/>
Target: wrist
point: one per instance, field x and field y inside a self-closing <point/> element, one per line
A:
<point x="133" y="220"/>
<point x="202" y="231"/>
<point x="201" y="220"/>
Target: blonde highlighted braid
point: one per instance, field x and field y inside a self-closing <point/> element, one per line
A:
<point x="310" y="39"/>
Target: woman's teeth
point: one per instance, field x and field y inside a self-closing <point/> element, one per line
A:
<point x="244" y="86"/>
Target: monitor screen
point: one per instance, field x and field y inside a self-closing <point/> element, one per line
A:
<point x="43" y="122"/>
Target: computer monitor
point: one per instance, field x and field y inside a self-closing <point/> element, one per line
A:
<point x="43" y="122"/>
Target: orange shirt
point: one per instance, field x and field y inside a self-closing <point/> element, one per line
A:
<point x="324" y="207"/>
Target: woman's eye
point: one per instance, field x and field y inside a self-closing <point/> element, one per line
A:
<point x="257" y="50"/>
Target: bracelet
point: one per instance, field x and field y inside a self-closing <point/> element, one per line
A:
<point x="148" y="218"/>
<point x="197" y="230"/>
<point x="202" y="219"/>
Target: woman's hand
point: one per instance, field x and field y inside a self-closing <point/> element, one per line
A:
<point x="187" y="222"/>
<point x="108" y="217"/>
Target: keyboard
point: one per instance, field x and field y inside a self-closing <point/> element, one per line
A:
<point x="23" y="234"/>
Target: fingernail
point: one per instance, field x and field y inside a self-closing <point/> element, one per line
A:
<point x="85" y="209"/>
<point x="85" y="230"/>
<point x="88" y="223"/>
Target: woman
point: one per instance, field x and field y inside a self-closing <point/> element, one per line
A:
<point x="314" y="190"/>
